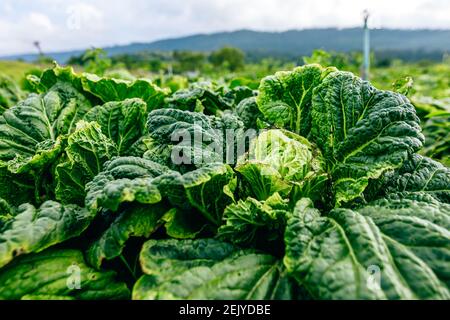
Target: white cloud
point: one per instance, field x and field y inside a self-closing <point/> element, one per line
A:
<point x="69" y="24"/>
<point x="84" y="16"/>
<point x="39" y="21"/>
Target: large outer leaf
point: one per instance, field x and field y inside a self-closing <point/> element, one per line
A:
<point x="362" y="132"/>
<point x="29" y="132"/>
<point x="418" y="175"/>
<point x="190" y="133"/>
<point x="33" y="230"/>
<point x="333" y="256"/>
<point x="202" y="189"/>
<point x="123" y="121"/>
<point x="236" y="94"/>
<point x="53" y="273"/>
<point x="194" y="138"/>
<point x="98" y="89"/>
<point x="420" y="226"/>
<point x="208" y="269"/>
<point x="136" y="220"/>
<point x="198" y="99"/>
<point x="285" y="98"/>
<point x="109" y="89"/>
<point x="247" y="110"/>
<point x="124" y="179"/>
<point x="87" y="150"/>
<point x="56" y="76"/>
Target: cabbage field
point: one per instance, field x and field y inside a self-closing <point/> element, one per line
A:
<point x="308" y="183"/>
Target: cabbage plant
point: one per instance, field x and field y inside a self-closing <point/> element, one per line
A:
<point x="311" y="187"/>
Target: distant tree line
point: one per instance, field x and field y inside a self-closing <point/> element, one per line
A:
<point x="230" y="59"/>
<point x="224" y="59"/>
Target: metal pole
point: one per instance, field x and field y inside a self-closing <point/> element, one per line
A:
<point x="366" y="52"/>
<point x="37" y="44"/>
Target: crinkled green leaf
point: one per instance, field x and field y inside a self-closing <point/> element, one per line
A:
<point x="110" y="89"/>
<point x="255" y="223"/>
<point x="87" y="150"/>
<point x="100" y="89"/>
<point x="57" y="75"/>
<point x="33" y="230"/>
<point x="140" y="147"/>
<point x="132" y="221"/>
<point x="236" y="94"/>
<point x="362" y="131"/>
<point x="285" y="98"/>
<point x="195" y="139"/>
<point x="417" y="175"/>
<point x="56" y="273"/>
<point x="198" y="99"/>
<point x="202" y="189"/>
<point x="261" y="180"/>
<point x="352" y="255"/>
<point x="247" y="110"/>
<point x="122" y="121"/>
<point x="160" y="153"/>
<point x="403" y="85"/>
<point x="124" y="179"/>
<point x="208" y="269"/>
<point x="5" y="208"/>
<point x="419" y="225"/>
<point x="30" y="131"/>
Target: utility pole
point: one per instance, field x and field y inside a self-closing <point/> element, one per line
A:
<point x="366" y="49"/>
<point x="37" y="44"/>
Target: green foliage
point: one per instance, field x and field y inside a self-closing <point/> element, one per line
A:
<point x="208" y="269"/>
<point x="249" y="222"/>
<point x="123" y="121"/>
<point x="10" y="93"/>
<point x="47" y="278"/>
<point x="283" y="162"/>
<point x="228" y="57"/>
<point x="114" y="184"/>
<point x="406" y="246"/>
<point x="86" y="152"/>
<point x="326" y="59"/>
<point x="285" y="98"/>
<point x="94" y="60"/>
<point x="33" y="230"/>
<point x="189" y="61"/>
<point x="436" y="129"/>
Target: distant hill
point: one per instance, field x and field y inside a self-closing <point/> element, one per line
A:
<point x="292" y="43"/>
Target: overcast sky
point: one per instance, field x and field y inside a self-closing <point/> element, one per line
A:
<point x="69" y="24"/>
